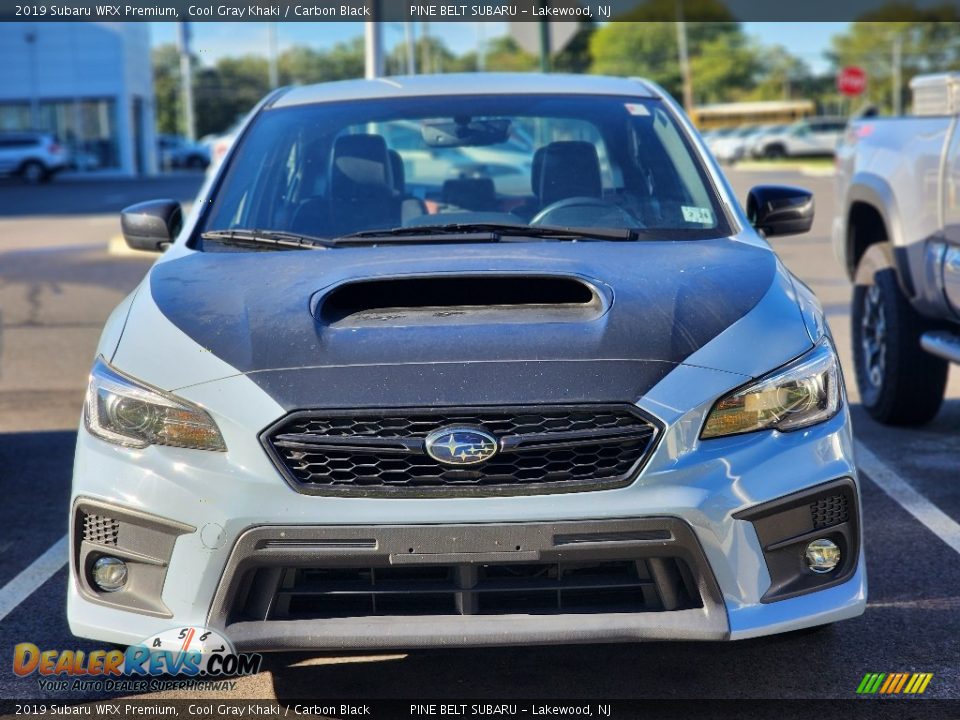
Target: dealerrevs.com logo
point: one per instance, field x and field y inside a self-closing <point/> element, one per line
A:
<point x="182" y="658"/>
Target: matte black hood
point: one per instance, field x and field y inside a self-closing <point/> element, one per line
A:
<point x="326" y="328"/>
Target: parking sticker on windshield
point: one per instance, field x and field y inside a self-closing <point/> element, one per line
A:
<point x="701" y="215"/>
<point x="637" y="109"/>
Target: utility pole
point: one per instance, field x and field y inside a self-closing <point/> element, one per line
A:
<point x="373" y="35"/>
<point x="481" y="48"/>
<point x="411" y="45"/>
<point x="272" y="47"/>
<point x="426" y="61"/>
<point x="186" y="80"/>
<point x="545" y="40"/>
<point x="684" y="60"/>
<point x="897" y="75"/>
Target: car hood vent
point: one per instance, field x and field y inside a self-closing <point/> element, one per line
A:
<point x="460" y="299"/>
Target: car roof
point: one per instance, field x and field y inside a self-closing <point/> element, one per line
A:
<point x="466" y="84"/>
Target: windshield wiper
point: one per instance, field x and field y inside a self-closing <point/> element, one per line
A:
<point x="271" y="238"/>
<point x="475" y="232"/>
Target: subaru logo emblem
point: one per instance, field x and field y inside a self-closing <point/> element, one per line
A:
<point x="461" y="446"/>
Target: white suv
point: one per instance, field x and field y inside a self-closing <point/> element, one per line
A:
<point x="34" y="156"/>
<point x="815" y="136"/>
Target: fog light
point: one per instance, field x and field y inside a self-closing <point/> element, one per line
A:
<point x="109" y="574"/>
<point x="822" y="555"/>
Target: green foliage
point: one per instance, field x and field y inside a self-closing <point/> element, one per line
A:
<point x="930" y="43"/>
<point x="723" y="62"/>
<point x="166" y="88"/>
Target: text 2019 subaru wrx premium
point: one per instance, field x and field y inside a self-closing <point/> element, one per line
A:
<point x="466" y="360"/>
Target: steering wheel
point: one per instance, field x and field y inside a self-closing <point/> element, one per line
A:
<point x="542" y="217"/>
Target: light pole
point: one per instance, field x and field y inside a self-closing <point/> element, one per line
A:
<point x="373" y="43"/>
<point x="411" y="45"/>
<point x="30" y="37"/>
<point x="272" y="47"/>
<point x="186" y="79"/>
<point x="897" y="78"/>
<point x="684" y="61"/>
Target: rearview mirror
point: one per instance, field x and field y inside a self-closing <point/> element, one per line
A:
<point x="151" y="225"/>
<point x="462" y="132"/>
<point x="780" y="209"/>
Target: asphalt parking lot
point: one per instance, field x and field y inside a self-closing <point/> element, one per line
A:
<point x="57" y="286"/>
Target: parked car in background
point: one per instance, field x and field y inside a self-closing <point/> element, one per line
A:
<point x="897" y="234"/>
<point x="737" y="145"/>
<point x="807" y="138"/>
<point x="176" y="151"/>
<point x="712" y="137"/>
<point x="729" y="148"/>
<point x="756" y="142"/>
<point x="217" y="145"/>
<point x="33" y="156"/>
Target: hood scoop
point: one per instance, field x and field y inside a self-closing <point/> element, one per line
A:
<point x="460" y="300"/>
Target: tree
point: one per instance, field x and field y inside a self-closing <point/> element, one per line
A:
<point x="786" y="76"/>
<point x="166" y="89"/>
<point x="724" y="69"/>
<point x="929" y="43"/>
<point x="723" y="62"/>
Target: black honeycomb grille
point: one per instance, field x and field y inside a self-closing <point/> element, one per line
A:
<point x="541" y="450"/>
<point x="100" y="529"/>
<point x="829" y="511"/>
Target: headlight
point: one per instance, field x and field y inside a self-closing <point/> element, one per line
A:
<point x="121" y="410"/>
<point x="805" y="392"/>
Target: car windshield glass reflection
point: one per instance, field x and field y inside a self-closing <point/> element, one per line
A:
<point x="334" y="169"/>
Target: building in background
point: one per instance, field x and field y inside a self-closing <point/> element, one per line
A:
<point x="89" y="83"/>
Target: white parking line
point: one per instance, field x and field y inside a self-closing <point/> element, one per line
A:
<point x="40" y="570"/>
<point x="935" y="520"/>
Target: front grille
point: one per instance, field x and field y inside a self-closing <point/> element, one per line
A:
<point x="829" y="511"/>
<point x="541" y="449"/>
<point x="627" y="585"/>
<point x="100" y="529"/>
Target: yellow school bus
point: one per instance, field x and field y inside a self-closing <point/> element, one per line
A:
<point x="766" y="112"/>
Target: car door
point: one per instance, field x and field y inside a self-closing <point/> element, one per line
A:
<point x="826" y="134"/>
<point x="800" y="140"/>
<point x="948" y="254"/>
<point x="10" y="153"/>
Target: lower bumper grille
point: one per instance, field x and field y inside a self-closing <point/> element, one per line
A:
<point x="494" y="589"/>
<point x="467" y="584"/>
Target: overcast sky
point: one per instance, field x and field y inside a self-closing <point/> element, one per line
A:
<point x="212" y="40"/>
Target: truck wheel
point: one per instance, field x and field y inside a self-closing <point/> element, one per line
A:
<point x="899" y="383"/>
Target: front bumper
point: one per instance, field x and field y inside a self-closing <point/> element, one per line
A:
<point x="698" y="489"/>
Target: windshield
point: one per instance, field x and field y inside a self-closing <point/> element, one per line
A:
<point x="333" y="169"/>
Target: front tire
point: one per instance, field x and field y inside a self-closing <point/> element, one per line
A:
<point x="900" y="384"/>
<point x="34" y="173"/>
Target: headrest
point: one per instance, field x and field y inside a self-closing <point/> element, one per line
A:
<point x="536" y="169"/>
<point x="470" y="193"/>
<point x="569" y="169"/>
<point x="397" y="173"/>
<point x="360" y="165"/>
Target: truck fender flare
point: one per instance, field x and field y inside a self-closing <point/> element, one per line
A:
<point x="874" y="191"/>
<point x="877" y="258"/>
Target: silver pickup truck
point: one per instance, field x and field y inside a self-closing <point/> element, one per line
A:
<point x="897" y="233"/>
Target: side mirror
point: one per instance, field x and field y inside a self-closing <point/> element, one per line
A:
<point x="780" y="209"/>
<point x="151" y="225"/>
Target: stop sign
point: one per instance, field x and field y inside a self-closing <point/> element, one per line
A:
<point x="852" y="80"/>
